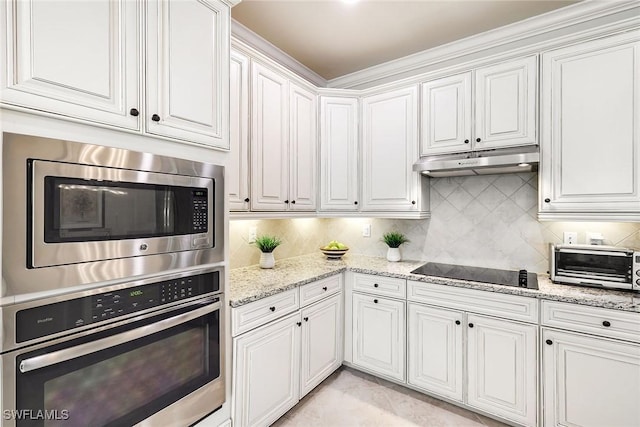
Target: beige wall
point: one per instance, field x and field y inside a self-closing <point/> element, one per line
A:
<point x="485" y="221"/>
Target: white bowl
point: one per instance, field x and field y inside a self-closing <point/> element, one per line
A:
<point x="334" y="253"/>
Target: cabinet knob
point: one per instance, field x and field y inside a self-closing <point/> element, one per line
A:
<point x="478" y="139"/>
<point x="413" y="202"/>
<point x="246" y="200"/>
<point x="457" y="322"/>
<point x="155" y="118"/>
<point x="466" y="141"/>
<point x="375" y="301"/>
<point x="293" y="202"/>
<point x="547" y="200"/>
<point x="299" y="323"/>
<point x="272" y="308"/>
<point x="324" y="288"/>
<point x="471" y="325"/>
<point x="549" y="342"/>
<point x="355" y="203"/>
<point x="134" y="112"/>
<point x="606" y="323"/>
<point x="306" y="319"/>
<point x="375" y="285"/>
<point x="286" y="201"/>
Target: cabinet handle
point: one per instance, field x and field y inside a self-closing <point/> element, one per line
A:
<point x="324" y="288"/>
<point x="375" y="285"/>
<point x="413" y="202"/>
<point x="299" y="323"/>
<point x="478" y="140"/>
<point x="466" y="141"/>
<point x="286" y="201"/>
<point x="355" y="203"/>
<point x="306" y="319"/>
<point x="606" y="323"/>
<point x="457" y="322"/>
<point x="375" y="301"/>
<point x="293" y="202"/>
<point x="549" y="342"/>
<point x="246" y="200"/>
<point x="547" y="200"/>
<point x="155" y="118"/>
<point x="272" y="308"/>
<point x="471" y="325"/>
<point x="134" y="112"/>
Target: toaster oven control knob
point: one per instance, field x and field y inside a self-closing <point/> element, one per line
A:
<point x="638" y="281"/>
<point x="144" y="247"/>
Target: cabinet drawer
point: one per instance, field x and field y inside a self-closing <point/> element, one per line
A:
<point x="379" y="285"/>
<point x="591" y="320"/>
<point x="483" y="302"/>
<point x="252" y="315"/>
<point x="320" y="289"/>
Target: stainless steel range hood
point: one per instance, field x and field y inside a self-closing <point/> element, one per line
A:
<point x="504" y="160"/>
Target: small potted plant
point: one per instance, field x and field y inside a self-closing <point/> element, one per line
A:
<point x="267" y="244"/>
<point x="394" y="239"/>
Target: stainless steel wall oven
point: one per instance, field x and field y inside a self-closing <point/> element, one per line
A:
<point x="148" y="352"/>
<point x="77" y="214"/>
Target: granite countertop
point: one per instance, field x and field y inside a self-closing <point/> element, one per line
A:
<point x="253" y="283"/>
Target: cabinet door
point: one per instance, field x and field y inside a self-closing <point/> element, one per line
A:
<point x="379" y="335"/>
<point x="266" y="372"/>
<point x="591" y="129"/>
<point x="390" y="148"/>
<point x="502" y="368"/>
<point x="339" y="154"/>
<point x="505" y="104"/>
<point x="270" y="140"/>
<point x="188" y="70"/>
<point x="435" y="350"/>
<point x="589" y="381"/>
<point x="321" y="342"/>
<point x="81" y="61"/>
<point x="302" y="194"/>
<point x="238" y="170"/>
<point x="446" y="115"/>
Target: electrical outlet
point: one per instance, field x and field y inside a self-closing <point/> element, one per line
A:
<point x="253" y="234"/>
<point x="594" y="238"/>
<point x="570" y="237"/>
<point x="366" y="230"/>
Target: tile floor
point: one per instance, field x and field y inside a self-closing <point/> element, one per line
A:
<point x="350" y="398"/>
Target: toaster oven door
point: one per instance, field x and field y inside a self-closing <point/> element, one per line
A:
<point x="593" y="267"/>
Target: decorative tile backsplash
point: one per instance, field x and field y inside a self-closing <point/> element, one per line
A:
<point x="487" y="221"/>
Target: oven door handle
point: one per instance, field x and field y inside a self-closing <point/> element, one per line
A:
<point x="59" y="356"/>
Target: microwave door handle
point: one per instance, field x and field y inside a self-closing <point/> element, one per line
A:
<point x="166" y="211"/>
<point x="59" y="356"/>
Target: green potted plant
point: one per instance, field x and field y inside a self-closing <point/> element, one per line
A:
<point x="267" y="244"/>
<point x="394" y="239"/>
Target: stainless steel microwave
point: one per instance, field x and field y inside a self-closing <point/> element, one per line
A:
<point x="76" y="214"/>
<point x="597" y="266"/>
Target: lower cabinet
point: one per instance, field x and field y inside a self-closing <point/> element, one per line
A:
<point x="379" y="335"/>
<point x="277" y="364"/>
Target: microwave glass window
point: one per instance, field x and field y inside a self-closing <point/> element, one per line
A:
<point x="85" y="210"/>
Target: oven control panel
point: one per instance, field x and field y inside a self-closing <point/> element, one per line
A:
<point x="61" y="316"/>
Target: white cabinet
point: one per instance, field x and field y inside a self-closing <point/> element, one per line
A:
<point x="339" y="183"/>
<point x="88" y="63"/>
<point x="187" y="71"/>
<point x="283" y="147"/>
<point x="266" y="372"/>
<point x="237" y="178"/>
<point x="500" y="109"/>
<point x="590" y="151"/>
<point x="589" y="381"/>
<point x="82" y="61"/>
<point x="379" y="335"/>
<point x="501" y="368"/>
<point x="390" y="148"/>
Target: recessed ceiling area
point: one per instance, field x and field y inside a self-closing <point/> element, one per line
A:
<point x="335" y="37"/>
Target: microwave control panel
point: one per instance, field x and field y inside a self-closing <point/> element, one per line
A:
<point x="62" y="316"/>
<point x="200" y="208"/>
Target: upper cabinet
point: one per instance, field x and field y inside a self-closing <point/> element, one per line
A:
<point x="390" y="148"/>
<point x="590" y="150"/>
<point x="303" y="119"/>
<point x="490" y="107"/>
<point x="339" y="183"/>
<point x="237" y="178"/>
<point x="88" y="63"/>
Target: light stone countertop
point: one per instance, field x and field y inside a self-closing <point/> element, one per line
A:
<point x="253" y="283"/>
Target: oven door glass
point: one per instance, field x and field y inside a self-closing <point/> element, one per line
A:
<point x="137" y="371"/>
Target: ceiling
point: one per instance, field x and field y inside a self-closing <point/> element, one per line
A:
<point x="335" y="38"/>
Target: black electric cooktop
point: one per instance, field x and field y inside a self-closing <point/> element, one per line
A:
<point x="521" y="278"/>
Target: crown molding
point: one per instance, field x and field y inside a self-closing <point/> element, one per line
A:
<point x="537" y="26"/>
<point x="253" y="40"/>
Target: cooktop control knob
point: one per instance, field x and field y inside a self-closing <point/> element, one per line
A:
<point x="522" y="278"/>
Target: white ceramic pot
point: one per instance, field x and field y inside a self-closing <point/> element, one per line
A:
<point x="267" y="260"/>
<point x="393" y="254"/>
